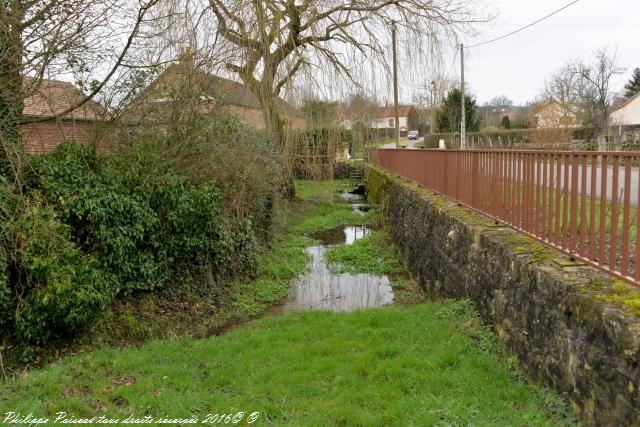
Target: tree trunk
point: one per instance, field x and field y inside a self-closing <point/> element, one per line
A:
<point x="276" y="132"/>
<point x="11" y="101"/>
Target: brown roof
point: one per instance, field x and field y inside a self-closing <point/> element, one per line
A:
<point x="229" y="91"/>
<point x="389" y="111"/>
<point x="50" y="98"/>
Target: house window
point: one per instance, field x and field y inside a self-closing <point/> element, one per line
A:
<point x="392" y="123"/>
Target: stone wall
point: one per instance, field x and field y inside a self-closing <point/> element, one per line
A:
<point x="573" y="328"/>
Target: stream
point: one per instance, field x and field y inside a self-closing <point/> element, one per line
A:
<point x="321" y="289"/>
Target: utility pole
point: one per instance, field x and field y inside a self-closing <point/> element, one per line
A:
<point x="433" y="106"/>
<point x="463" y="125"/>
<point x="395" y="83"/>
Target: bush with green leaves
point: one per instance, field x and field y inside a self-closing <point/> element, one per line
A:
<point x="7" y="209"/>
<point x="87" y="230"/>
<point x="57" y="288"/>
<point x="223" y="150"/>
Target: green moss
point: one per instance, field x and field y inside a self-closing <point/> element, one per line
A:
<point x="538" y="251"/>
<point x="620" y="293"/>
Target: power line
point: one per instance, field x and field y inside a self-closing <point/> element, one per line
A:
<point x="526" y="26"/>
<point x="578" y="25"/>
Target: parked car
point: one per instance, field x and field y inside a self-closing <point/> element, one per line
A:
<point x="413" y="135"/>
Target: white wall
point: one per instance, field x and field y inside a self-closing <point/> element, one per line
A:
<point x="629" y="115"/>
<point x="384" y="123"/>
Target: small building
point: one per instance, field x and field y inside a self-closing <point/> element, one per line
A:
<point x="154" y="104"/>
<point x="50" y="127"/>
<point x="624" y="122"/>
<point x="386" y="118"/>
<point x="553" y="114"/>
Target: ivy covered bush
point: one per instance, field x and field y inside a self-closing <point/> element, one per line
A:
<point x="86" y="230"/>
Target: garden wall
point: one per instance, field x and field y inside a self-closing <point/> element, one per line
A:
<point x="573" y="328"/>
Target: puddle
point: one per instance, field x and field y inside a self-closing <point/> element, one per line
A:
<point x="319" y="289"/>
<point x="341" y="235"/>
<point x="346" y="197"/>
<point x="354" y="196"/>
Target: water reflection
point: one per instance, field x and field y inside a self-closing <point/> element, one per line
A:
<point x="355" y="232"/>
<point x="341" y="235"/>
<point x="349" y="197"/>
<point x="319" y="289"/>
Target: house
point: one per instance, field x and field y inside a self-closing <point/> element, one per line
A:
<point x="553" y="114"/>
<point x="385" y="118"/>
<point x="51" y="98"/>
<point x="624" y="122"/>
<point x="156" y="102"/>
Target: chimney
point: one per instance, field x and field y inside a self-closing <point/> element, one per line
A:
<point x="185" y="58"/>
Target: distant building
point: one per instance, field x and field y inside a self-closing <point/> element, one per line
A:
<point x="553" y="114"/>
<point x="625" y="121"/>
<point x="45" y="106"/>
<point x="214" y="91"/>
<point x="385" y="118"/>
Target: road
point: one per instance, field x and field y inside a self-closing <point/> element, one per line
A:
<point x="634" y="175"/>
<point x="410" y="145"/>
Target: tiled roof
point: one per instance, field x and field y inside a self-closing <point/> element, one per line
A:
<point x="231" y="92"/>
<point x="389" y="111"/>
<point x="50" y="98"/>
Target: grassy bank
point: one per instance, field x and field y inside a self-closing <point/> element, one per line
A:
<point x="430" y="364"/>
<point x="409" y="364"/>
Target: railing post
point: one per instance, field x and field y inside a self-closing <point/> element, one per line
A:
<point x="475" y="178"/>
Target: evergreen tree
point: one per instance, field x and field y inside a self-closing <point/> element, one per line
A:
<point x="448" y="117"/>
<point x="506" y="122"/>
<point x="633" y="85"/>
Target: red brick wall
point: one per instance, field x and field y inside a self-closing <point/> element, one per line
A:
<point x="44" y="137"/>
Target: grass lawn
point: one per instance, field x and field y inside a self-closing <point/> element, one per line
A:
<point x="374" y="254"/>
<point x="428" y="364"/>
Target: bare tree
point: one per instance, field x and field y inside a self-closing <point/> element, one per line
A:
<point x="277" y="38"/>
<point x="563" y="100"/>
<point x="597" y="80"/>
<point x="360" y="107"/>
<point x="584" y="89"/>
<point x="72" y="38"/>
<point x="501" y="101"/>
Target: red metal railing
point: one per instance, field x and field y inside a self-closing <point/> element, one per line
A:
<point x="582" y="203"/>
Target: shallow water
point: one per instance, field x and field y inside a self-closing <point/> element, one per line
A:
<point x="320" y="289"/>
<point x="349" y="197"/>
<point x="341" y="235"/>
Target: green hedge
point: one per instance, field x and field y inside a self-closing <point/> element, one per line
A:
<point x="87" y="230"/>
<point x="322" y="135"/>
<point x="503" y="138"/>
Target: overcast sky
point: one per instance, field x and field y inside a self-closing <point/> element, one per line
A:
<point x="517" y="66"/>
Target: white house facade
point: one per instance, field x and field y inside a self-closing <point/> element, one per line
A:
<point x="628" y="114"/>
<point x="624" y="123"/>
<point x="385" y="117"/>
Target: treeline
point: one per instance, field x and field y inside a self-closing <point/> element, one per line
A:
<point x="79" y="231"/>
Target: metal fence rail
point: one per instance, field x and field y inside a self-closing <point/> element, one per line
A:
<point x="582" y="203"/>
